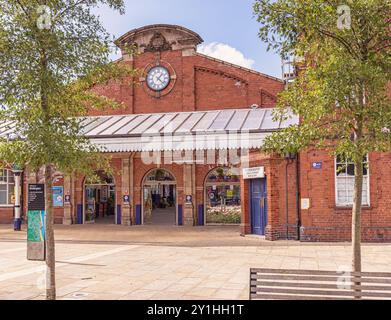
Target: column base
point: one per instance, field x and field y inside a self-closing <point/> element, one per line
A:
<point x="18" y="224"/>
<point x="126" y="216"/>
<point x="126" y="221"/>
<point x="188" y="215"/>
<point x="188" y="222"/>
<point x="245" y="228"/>
<point x="67" y="221"/>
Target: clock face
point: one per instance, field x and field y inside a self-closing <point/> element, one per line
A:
<point x="158" y="78"/>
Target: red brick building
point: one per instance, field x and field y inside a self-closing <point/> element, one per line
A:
<point x="186" y="146"/>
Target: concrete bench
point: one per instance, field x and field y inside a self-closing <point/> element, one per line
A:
<point x="275" y="284"/>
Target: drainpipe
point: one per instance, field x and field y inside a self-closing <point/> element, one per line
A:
<point x="286" y="198"/>
<point x="298" y="212"/>
<point x="289" y="157"/>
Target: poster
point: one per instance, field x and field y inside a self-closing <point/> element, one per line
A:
<point x="58" y="196"/>
<point x="90" y="212"/>
<point x="103" y="194"/>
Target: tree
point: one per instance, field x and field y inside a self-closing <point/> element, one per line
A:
<point x="51" y="54"/>
<point x="341" y="89"/>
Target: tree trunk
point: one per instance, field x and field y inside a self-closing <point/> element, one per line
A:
<point x="356" y="221"/>
<point x="49" y="232"/>
<point x="50" y="252"/>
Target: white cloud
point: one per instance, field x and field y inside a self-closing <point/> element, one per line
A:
<point x="227" y="53"/>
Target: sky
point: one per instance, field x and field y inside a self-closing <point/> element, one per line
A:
<point x="228" y="27"/>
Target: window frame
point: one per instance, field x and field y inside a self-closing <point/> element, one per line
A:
<point x="8" y="184"/>
<point x="336" y="177"/>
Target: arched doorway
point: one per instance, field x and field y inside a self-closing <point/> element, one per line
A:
<point x="99" y="199"/>
<point x="222" y="197"/>
<point x="159" y="198"/>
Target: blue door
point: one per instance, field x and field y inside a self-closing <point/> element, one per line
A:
<point x="258" y="206"/>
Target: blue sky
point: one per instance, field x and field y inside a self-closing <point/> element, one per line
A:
<point x="227" y="27"/>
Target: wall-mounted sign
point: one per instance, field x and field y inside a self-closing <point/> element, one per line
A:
<point x="305" y="203"/>
<point x="126" y="199"/>
<point x="189" y="198"/>
<point x="230" y="193"/>
<point x="317" y="165"/>
<point x="254" y="173"/>
<point x="67" y="199"/>
<point x="58" y="180"/>
<point x="36" y="222"/>
<point x="58" y="196"/>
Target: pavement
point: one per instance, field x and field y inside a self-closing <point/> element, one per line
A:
<point x="161" y="217"/>
<point x="109" y="262"/>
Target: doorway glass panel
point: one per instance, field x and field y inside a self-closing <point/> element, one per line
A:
<point x="159" y="198"/>
<point x="100" y="199"/>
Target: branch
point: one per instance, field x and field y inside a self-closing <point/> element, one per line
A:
<point x="339" y="39"/>
<point x="23" y="8"/>
<point x="69" y="8"/>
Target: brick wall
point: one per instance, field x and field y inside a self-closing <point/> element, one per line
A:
<point x="324" y="221"/>
<point x="278" y="227"/>
<point x="202" y="84"/>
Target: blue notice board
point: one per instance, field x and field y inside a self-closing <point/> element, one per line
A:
<point x="58" y="196"/>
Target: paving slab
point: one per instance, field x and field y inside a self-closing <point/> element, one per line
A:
<point x="146" y="262"/>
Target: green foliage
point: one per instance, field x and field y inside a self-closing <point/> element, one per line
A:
<point x="46" y="79"/>
<point x="341" y="90"/>
<point x="224" y="218"/>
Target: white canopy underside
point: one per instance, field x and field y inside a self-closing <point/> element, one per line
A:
<point x="178" y="143"/>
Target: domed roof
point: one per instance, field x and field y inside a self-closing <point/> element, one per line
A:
<point x="172" y="36"/>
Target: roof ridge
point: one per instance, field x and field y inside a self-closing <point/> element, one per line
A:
<point x="174" y="112"/>
<point x="239" y="67"/>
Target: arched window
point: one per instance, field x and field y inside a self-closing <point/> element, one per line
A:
<point x="100" y="177"/>
<point x="222" y="194"/>
<point x="159" y="175"/>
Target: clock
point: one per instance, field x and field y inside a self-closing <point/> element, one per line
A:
<point x="158" y="78"/>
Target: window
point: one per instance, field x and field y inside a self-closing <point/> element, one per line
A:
<point x="159" y="175"/>
<point x="344" y="172"/>
<point x="6" y="187"/>
<point x="222" y="192"/>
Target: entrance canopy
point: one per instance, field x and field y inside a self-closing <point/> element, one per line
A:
<point x="200" y="130"/>
<point x="219" y="129"/>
